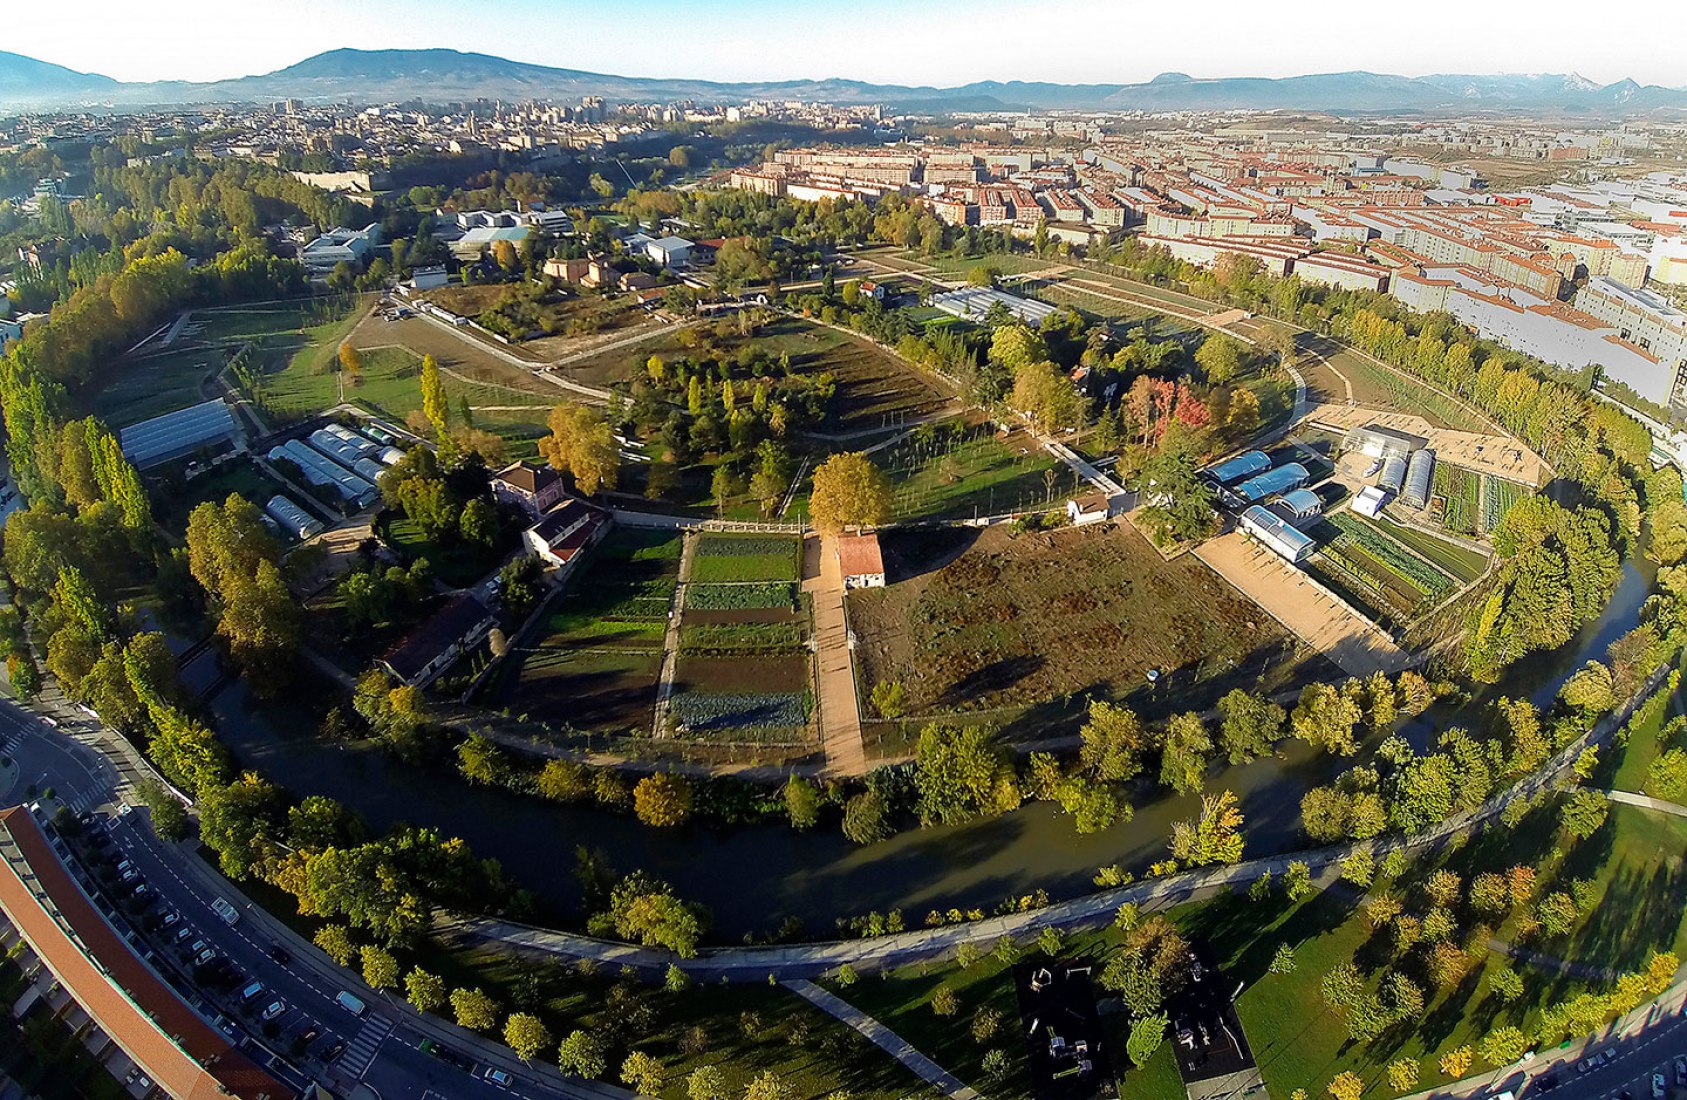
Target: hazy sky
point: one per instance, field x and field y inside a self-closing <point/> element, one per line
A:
<point x="889" y="41"/>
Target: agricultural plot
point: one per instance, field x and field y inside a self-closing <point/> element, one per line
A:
<point x="998" y="621"/>
<point x="1498" y="495"/>
<point x="743" y="673"/>
<point x="597" y="667"/>
<point x="1459" y="494"/>
<point x="731" y="559"/>
<point x="1384" y="575"/>
<point x="957" y="471"/>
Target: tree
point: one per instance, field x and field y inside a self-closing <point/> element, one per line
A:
<point x="1220" y="358"/>
<point x="474" y="1009"/>
<point x="890" y="699"/>
<point x="479" y="523"/>
<point x="1183" y="757"/>
<point x="865" y="818"/>
<point x="1214" y="837"/>
<point x="351" y="360"/>
<point x="1506" y="984"/>
<point x="1456" y="1063"/>
<point x="1503" y="1046"/>
<point x="1347" y="1085"/>
<point x="380" y="969"/>
<point x="802" y="802"/>
<point x="583" y="1054"/>
<point x="956" y="769"/>
<point x="1249" y="725"/>
<point x="526" y="1034"/>
<point x="1402" y="1074"/>
<point x="706" y="1083"/>
<point x="768" y="1086"/>
<point x="169" y="818"/>
<point x="1297" y="880"/>
<point x="1325" y="717"/>
<point x="645" y="910"/>
<point x="1180" y="502"/>
<point x="848" y="491"/>
<point x="944" y="1002"/>
<point x="662" y="800"/>
<point x="1112" y="742"/>
<point x="1584" y="812"/>
<point x="434" y="404"/>
<point x="335" y="942"/>
<point x="1283" y="960"/>
<point x="583" y="444"/>
<point x="1146" y="1035"/>
<point x="424" y="991"/>
<point x="480" y="761"/>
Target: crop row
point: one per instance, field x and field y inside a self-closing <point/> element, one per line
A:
<point x="741" y="597"/>
<point x="1502" y="494"/>
<point x="1459" y="491"/>
<point x="1414" y="570"/>
<point x="1352" y="572"/>
<point x="744" y="546"/>
<point x="701" y="711"/>
<point x="745" y="568"/>
<point x="740" y="639"/>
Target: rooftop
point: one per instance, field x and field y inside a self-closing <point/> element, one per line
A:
<point x="860" y="556"/>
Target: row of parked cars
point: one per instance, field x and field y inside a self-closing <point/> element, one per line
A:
<point x="209" y="970"/>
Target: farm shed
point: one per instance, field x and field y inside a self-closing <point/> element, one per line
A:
<point x="1381" y="441"/>
<point x="861" y="560"/>
<point x="1369" y="502"/>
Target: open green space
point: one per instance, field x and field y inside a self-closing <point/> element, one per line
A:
<point x="180" y="495"/>
<point x="458" y="563"/>
<point x="958" y="471"/>
<point x="139" y="389"/>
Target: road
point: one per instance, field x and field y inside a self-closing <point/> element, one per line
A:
<point x="381" y="1057"/>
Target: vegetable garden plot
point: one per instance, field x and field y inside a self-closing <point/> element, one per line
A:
<point x="1459" y="490"/>
<point x="1501" y="495"/>
<point x="730" y="559"/>
<point x="740" y="597"/>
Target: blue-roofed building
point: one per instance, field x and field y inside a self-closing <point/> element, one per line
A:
<point x="1290" y="475"/>
<point x="178" y="434"/>
<point x="1246" y="464"/>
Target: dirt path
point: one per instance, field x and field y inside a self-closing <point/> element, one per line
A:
<point x="840" y="714"/>
<point x="1303" y="607"/>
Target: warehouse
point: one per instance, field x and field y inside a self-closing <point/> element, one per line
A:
<point x="1276" y="533"/>
<point x="179" y="434"/>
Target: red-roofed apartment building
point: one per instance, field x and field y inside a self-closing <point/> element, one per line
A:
<point x="42" y="907"/>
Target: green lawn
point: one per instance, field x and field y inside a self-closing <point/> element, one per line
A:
<point x="139" y="389"/>
<point x="934" y="475"/>
<point x="456" y="563"/>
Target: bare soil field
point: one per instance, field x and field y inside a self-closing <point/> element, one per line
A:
<point x="980" y="620"/>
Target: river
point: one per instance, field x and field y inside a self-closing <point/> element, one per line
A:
<point x="754" y="878"/>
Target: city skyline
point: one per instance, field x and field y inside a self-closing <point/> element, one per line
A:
<point x="878" y="41"/>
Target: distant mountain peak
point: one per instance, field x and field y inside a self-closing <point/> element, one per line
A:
<point x="1173" y="78"/>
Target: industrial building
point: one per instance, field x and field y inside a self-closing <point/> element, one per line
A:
<point x="179" y="434"/>
<point x="1277" y="534"/>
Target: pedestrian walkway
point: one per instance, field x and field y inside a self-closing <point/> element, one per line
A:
<point x="840" y="709"/>
<point x="364" y="1047"/>
<point x="883" y="1038"/>
<point x="670" y="640"/>
<point x="1646" y="802"/>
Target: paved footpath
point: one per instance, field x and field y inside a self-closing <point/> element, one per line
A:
<point x="840" y="709"/>
<point x="883" y="1038"/>
<point x="1646" y="803"/>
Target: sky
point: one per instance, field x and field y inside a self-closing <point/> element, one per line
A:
<point x="938" y="42"/>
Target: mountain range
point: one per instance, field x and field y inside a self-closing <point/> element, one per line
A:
<point x="440" y="75"/>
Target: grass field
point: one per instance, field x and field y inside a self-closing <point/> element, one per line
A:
<point x="990" y="619"/>
<point x="958" y="472"/>
<point x="139" y="389"/>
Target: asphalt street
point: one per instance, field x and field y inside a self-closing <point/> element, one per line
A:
<point x="378" y="1054"/>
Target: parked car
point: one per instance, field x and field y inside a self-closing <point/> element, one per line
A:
<point x="280" y="954"/>
<point x="338" y="1048"/>
<point x="1659" y="1086"/>
<point x="497" y="1077"/>
<point x="1681" y="1070"/>
<point x="275" y="1010"/>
